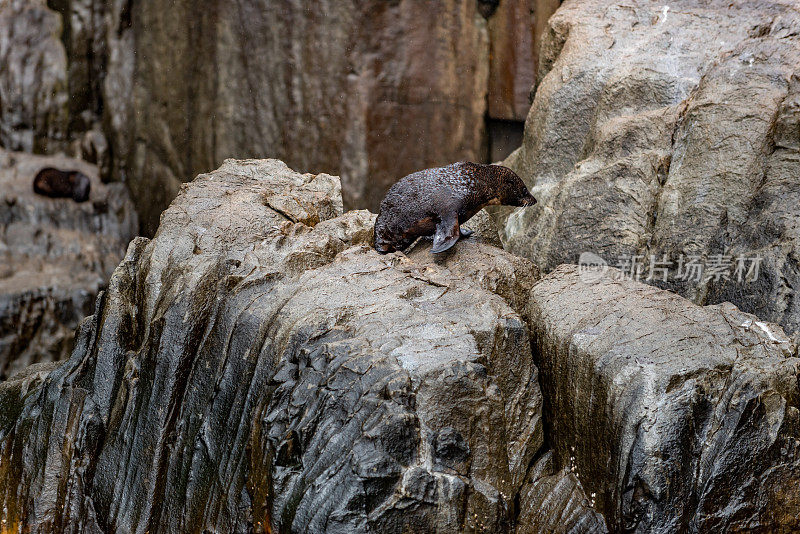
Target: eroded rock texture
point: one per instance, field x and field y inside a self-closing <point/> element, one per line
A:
<point x="258" y="363"/>
<point x="672" y="131"/>
<point x="55" y="256"/>
<point x="52" y="67"/>
<point x="554" y="500"/>
<point x="678" y="417"/>
<point x="154" y="93"/>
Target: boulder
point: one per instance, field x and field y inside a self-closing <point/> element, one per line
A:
<point x="55" y="257"/>
<point x="674" y="417"/>
<point x="669" y="133"/>
<point x="257" y="365"/>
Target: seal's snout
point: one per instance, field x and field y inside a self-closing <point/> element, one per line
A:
<point x="382" y="247"/>
<point x="530" y="201"/>
<point x="81" y="185"/>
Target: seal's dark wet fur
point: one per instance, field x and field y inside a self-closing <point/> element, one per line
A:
<point x="62" y="184"/>
<point x="436" y="201"/>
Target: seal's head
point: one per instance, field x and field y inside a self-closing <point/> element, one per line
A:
<point x="81" y="185"/>
<point x="513" y="191"/>
<point x="388" y="241"/>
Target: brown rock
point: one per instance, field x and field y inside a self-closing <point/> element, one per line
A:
<point x="370" y="91"/>
<point x="515" y="31"/>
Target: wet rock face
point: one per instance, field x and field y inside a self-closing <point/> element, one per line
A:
<point x="515" y="30"/>
<point x="247" y="368"/>
<point x="554" y="500"/>
<point x="55" y="256"/>
<point x="676" y="416"/>
<point x="656" y="132"/>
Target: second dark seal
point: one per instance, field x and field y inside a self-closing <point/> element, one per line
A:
<point x="437" y="201"/>
<point x="62" y="184"/>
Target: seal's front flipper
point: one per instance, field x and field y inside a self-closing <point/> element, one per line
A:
<point x="466" y="233"/>
<point x="447" y="233"/>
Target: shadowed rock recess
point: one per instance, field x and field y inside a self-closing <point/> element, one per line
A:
<point x="258" y="363"/>
<point x="670" y="130"/>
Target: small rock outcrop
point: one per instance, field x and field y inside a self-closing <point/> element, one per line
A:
<point x="674" y="417"/>
<point x="55" y="257"/>
<point x="258" y="365"/>
<point x="667" y="134"/>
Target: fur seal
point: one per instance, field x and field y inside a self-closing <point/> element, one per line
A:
<point x="62" y="184"/>
<point x="436" y="201"/>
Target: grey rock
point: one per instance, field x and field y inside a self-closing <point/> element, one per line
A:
<point x="55" y="257"/>
<point x="52" y="69"/>
<point x="668" y="131"/>
<point x="34" y="95"/>
<point x="85" y="41"/>
<point x="679" y="417"/>
<point x="485" y="265"/>
<point x="245" y="368"/>
<point x="554" y="501"/>
<point x="485" y="228"/>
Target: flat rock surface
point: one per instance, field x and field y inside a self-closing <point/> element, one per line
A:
<point x="676" y="416"/>
<point x="55" y="256"/>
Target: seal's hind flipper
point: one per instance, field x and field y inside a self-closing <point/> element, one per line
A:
<point x="447" y="233"/>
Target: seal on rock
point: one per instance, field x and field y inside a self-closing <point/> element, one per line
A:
<point x="437" y="201"/>
<point x="62" y="184"/>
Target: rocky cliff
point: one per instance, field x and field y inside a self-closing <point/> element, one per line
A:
<point x="258" y="366"/>
<point x="668" y="136"/>
<point x="679" y="418"/>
